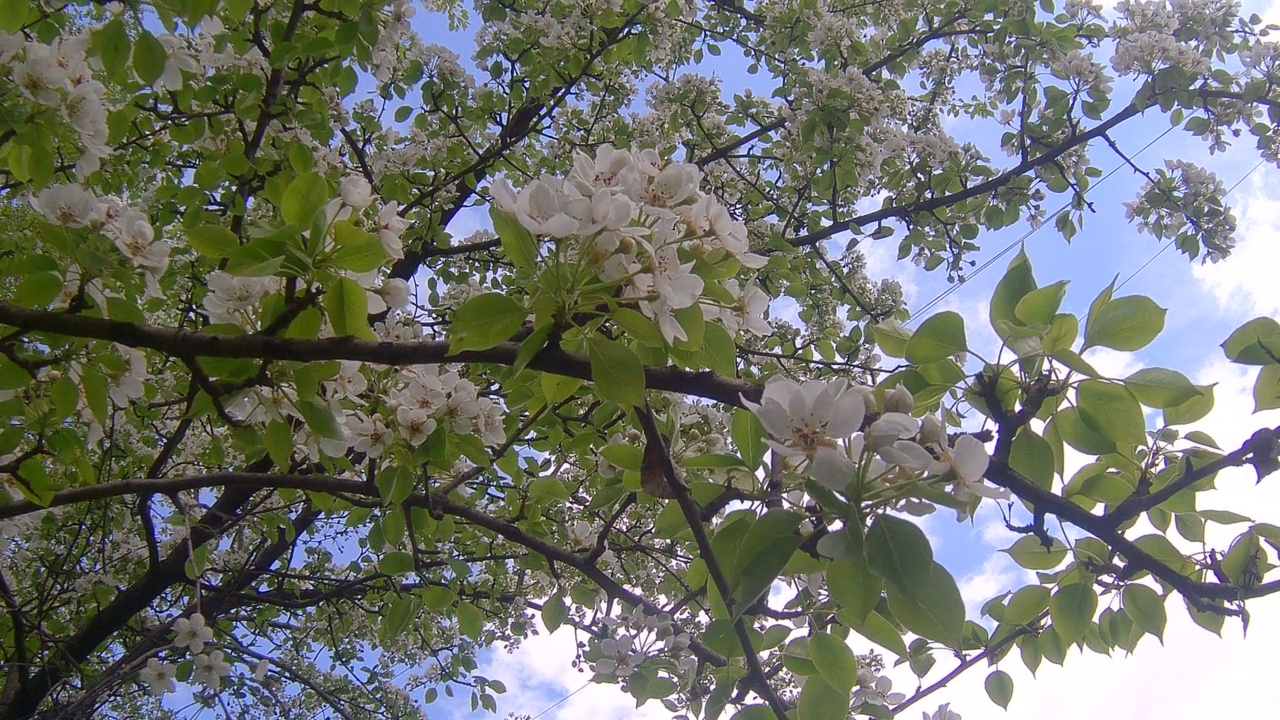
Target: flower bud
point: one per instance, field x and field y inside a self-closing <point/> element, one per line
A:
<point x="899" y="400"/>
<point x="932" y="432"/>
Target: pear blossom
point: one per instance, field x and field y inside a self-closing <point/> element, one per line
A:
<point x="415" y="424"/>
<point x="260" y="670"/>
<point x="395" y="292"/>
<point x="210" y="668"/>
<point x="805" y="417"/>
<point x="177" y="59"/>
<point x="390" y="227"/>
<point x="832" y="469"/>
<point x="356" y="192"/>
<point x="944" y="712"/>
<point x="538" y="207"/>
<point x="875" y="690"/>
<point x="66" y="205"/>
<point x="191" y="633"/>
<point x="899" y="400"/>
<point x="159" y="677"/>
<point x="890" y="428"/>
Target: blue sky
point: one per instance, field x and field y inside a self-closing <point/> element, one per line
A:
<point x="1209" y="677"/>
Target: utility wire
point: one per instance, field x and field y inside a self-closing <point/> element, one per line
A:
<point x="1009" y="248"/>
<point x="557" y="703"/>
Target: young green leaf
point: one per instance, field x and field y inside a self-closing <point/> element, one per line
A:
<point x="148" y="57"/>
<point x="1127" y="323"/>
<point x="304" y="197"/>
<point x="347" y="306"/>
<point x="820" y="701"/>
<point x="834" y="660"/>
<point x="932" y="608"/>
<point x="517" y="242"/>
<point x="1146" y="607"/>
<point x="484" y="321"/>
<point x="1161" y="388"/>
<point x="616" y="371"/>
<point x="1256" y="342"/>
<point x="999" y="688"/>
<point x="898" y="551"/>
<point x="941" y="336"/>
<point x="1071" y="609"/>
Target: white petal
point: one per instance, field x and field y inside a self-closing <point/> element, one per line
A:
<point x="970" y="458"/>
<point x="832" y="469"/>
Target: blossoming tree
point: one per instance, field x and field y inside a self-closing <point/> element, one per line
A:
<point x="277" y="431"/>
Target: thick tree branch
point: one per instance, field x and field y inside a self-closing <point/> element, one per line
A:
<point x="189" y="343"/>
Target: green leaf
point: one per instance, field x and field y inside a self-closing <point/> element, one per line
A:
<point x="999" y="688"/>
<point x="1026" y="605"/>
<point x="1016" y="283"/>
<point x="754" y="712"/>
<point x="357" y="250"/>
<point x="148" y="57"/>
<point x="517" y="242"/>
<point x="548" y="486"/>
<point x="303" y="198"/>
<point x="898" y="551"/>
<point x="395" y="620"/>
<point x="1266" y="391"/>
<point x="1256" y="342"/>
<point x="1127" y="323"/>
<point x="396" y="563"/>
<point x="1039" y="307"/>
<point x="1061" y="335"/>
<point x="320" y="419"/>
<point x="1161" y="388"/>
<point x="1068" y="425"/>
<point x="638" y="327"/>
<point x="1146" y="608"/>
<point x="347" y="306"/>
<point x="941" y="336"/>
<point x="37" y="289"/>
<point x="95" y="394"/>
<point x="212" y="241"/>
<point x="1032" y="457"/>
<point x="1111" y="411"/>
<point x="892" y="338"/>
<point x="13" y="15"/>
<point x="484" y="321"/>
<point x="855" y="587"/>
<point x="278" y="437"/>
<point x="1192" y="410"/>
<point x="748" y="436"/>
<point x="834" y="660"/>
<point x="761" y="555"/>
<point x="820" y="701"/>
<point x="879" y="631"/>
<point x="1030" y="554"/>
<point x="1072" y="609"/>
<point x="554" y="612"/>
<point x="616" y="371"/>
<point x="113" y="45"/>
<point x="470" y="620"/>
<point x="933" y="608"/>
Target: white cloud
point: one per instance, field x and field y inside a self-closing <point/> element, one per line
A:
<point x="539" y="674"/>
<point x="1245" y="284"/>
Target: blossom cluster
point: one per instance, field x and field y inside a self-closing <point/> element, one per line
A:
<point x="634" y="636"/>
<point x="641" y="222"/>
<point x="73" y="206"/>
<point x="820" y="425"/>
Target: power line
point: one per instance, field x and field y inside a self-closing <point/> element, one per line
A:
<point x="557" y="703"/>
<point x="1009" y="248"/>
